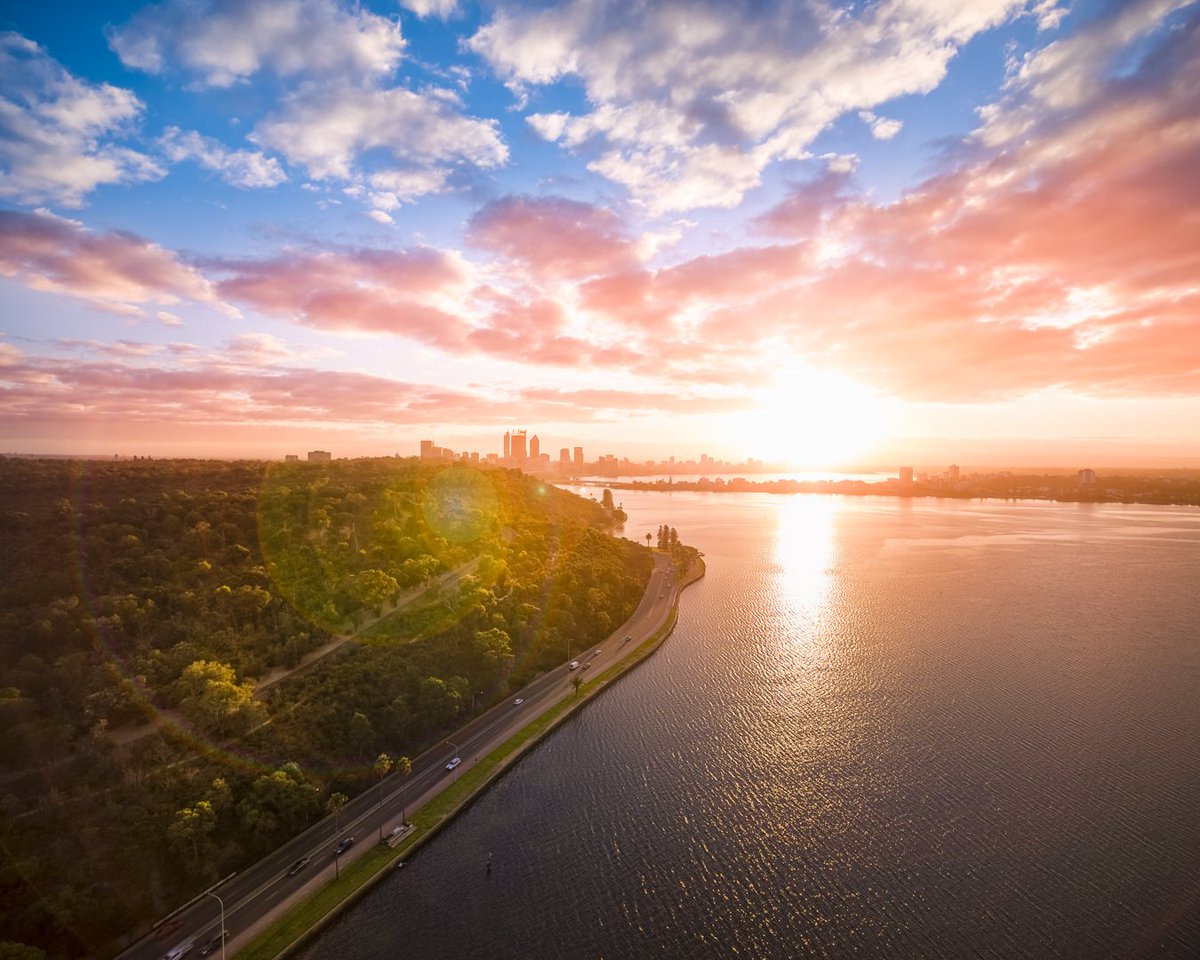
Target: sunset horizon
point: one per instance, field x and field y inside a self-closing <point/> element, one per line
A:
<point x="871" y="236"/>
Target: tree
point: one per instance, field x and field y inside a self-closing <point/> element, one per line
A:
<point x="577" y="682"/>
<point x="362" y="732"/>
<point x="606" y="500"/>
<point x="192" y="827"/>
<point x="278" y="804"/>
<point x="404" y="768"/>
<point x="437" y="701"/>
<point x="374" y="588"/>
<point x="383" y="763"/>
<point x="491" y="655"/>
<point x="647" y="541"/>
<point x="214" y="700"/>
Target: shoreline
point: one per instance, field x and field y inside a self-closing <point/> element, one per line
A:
<point x="293" y="931"/>
<point x="893" y="489"/>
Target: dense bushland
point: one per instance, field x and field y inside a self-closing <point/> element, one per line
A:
<point x="144" y="603"/>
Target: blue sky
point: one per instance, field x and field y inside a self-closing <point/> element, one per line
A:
<point x="797" y="229"/>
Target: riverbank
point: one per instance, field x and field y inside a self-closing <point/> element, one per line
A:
<point x="1181" y="488"/>
<point x="298" y="926"/>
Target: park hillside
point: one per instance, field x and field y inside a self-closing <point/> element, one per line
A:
<point x="195" y="656"/>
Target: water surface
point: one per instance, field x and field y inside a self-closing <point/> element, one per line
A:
<point x="883" y="728"/>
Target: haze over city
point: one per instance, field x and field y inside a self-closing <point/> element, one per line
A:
<point x="814" y="234"/>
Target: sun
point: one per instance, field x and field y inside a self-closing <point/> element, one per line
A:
<point x="807" y="417"/>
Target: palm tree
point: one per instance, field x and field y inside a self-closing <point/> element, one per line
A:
<point x="647" y="541"/>
<point x="576" y="682"/>
<point x="383" y="763"/>
<point x="404" y="768"/>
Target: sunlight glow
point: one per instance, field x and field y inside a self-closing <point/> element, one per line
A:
<point x="816" y="418"/>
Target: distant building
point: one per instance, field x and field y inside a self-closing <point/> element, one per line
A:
<point x="579" y="457"/>
<point x="564" y="455"/>
<point x="291" y="458"/>
<point x="906" y="476"/>
<point x="319" y="456"/>
<point x="518" y="446"/>
<point x="507" y="445"/>
<point x="1087" y="477"/>
<point x="953" y="472"/>
<point x="426" y="449"/>
<point x="535" y="447"/>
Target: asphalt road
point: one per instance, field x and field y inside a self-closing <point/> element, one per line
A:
<point x="260" y="891"/>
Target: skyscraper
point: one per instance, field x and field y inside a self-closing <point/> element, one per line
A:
<point x="535" y="447"/>
<point x="564" y="455"/>
<point x="507" y="445"/>
<point x="518" y="446"/>
<point x="579" y="457"/>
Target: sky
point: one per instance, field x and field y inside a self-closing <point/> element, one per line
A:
<point x="904" y="231"/>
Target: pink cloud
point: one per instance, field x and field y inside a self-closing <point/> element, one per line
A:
<point x="396" y="292"/>
<point x="1066" y="256"/>
<point x="113" y="271"/>
<point x="553" y="236"/>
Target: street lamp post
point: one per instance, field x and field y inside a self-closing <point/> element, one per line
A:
<point x="222" y="903"/>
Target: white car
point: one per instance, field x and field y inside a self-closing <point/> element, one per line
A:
<point x="454" y="763"/>
<point x="518" y="702"/>
<point x="180" y="950"/>
<point x="573" y="665"/>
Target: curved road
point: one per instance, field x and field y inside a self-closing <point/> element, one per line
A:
<point x="258" y="895"/>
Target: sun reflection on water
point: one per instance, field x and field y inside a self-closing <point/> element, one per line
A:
<point x="804" y="555"/>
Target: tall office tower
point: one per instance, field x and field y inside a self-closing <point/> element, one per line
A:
<point x="535" y="447"/>
<point x="426" y="449"/>
<point x="953" y="473"/>
<point x="507" y="445"/>
<point x="564" y="455"/>
<point x="579" y="457"/>
<point x="906" y="476"/>
<point x="518" y="446"/>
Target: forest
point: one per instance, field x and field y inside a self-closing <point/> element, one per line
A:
<point x="195" y="655"/>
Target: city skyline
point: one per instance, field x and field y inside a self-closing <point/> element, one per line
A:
<point x="879" y="234"/>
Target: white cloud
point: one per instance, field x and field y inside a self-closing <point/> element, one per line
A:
<point x="380" y="217"/>
<point x="1067" y="74"/>
<point x="881" y="127"/>
<point x="1049" y="13"/>
<point x="691" y="101"/>
<point x="444" y="9"/>
<point x="241" y="168"/>
<point x="226" y="41"/>
<point x="326" y="128"/>
<point x="56" y="130"/>
<point x="168" y="319"/>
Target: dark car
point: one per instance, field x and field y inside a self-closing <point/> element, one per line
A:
<point x="214" y="944"/>
<point x="344" y="846"/>
<point x="296" y="867"/>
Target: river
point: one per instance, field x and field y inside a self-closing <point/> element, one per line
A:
<point x="883" y="728"/>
